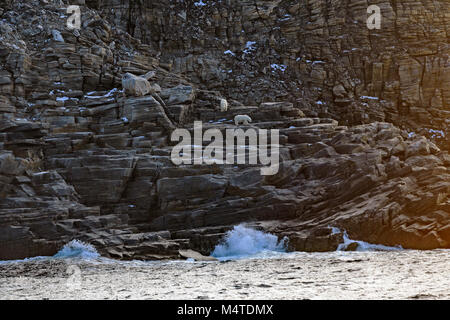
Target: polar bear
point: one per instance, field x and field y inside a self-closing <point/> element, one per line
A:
<point x="223" y="105"/>
<point x="244" y="119"/>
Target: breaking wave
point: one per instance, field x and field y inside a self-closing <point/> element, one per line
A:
<point x="362" y="245"/>
<point x="77" y="249"/>
<point x="73" y="249"/>
<point x="242" y="242"/>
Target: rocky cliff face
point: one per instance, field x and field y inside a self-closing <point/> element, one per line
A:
<point x="316" y="53"/>
<point x="81" y="160"/>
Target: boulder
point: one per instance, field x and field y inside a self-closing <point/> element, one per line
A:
<point x="135" y="85"/>
<point x="191" y="254"/>
<point x="180" y="94"/>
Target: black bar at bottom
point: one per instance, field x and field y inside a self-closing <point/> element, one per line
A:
<point x="218" y="309"/>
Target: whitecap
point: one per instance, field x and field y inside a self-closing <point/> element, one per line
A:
<point x="243" y="242"/>
<point x="362" y="245"/>
<point x="77" y="249"/>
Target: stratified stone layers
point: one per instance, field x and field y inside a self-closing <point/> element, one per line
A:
<point x="81" y="160"/>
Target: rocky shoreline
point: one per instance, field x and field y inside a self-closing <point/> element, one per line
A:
<point x="79" y="159"/>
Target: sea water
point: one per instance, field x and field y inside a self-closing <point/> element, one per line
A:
<point x="252" y="265"/>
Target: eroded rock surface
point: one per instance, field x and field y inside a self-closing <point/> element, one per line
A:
<point x="79" y="159"/>
<point x="318" y="54"/>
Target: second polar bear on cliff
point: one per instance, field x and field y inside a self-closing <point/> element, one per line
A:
<point x="244" y="119"/>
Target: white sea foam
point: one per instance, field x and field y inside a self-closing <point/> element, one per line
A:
<point x="243" y="242"/>
<point x="23" y="260"/>
<point x="77" y="249"/>
<point x="362" y="245"/>
<point x="73" y="249"/>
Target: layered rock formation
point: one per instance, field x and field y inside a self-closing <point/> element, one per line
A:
<point x="81" y="159"/>
<point x="316" y="53"/>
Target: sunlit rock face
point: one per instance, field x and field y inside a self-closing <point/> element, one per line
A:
<point x="80" y="158"/>
<point x="326" y="57"/>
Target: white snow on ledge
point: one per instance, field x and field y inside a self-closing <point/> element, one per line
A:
<point x="230" y="52"/>
<point x="437" y="133"/>
<point x="109" y="94"/>
<point x="370" y="98"/>
<point x="280" y="67"/>
<point x="249" y="47"/>
<point x="200" y="4"/>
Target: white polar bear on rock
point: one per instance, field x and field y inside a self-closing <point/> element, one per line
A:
<point x="223" y="105"/>
<point x="244" y="119"/>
